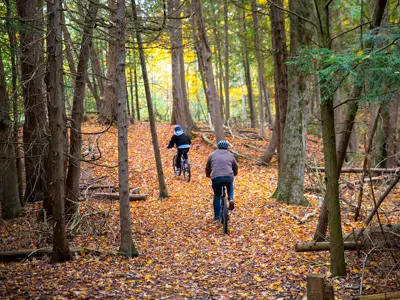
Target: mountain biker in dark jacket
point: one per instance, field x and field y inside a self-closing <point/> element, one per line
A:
<point x="182" y="142"/>
<point x="221" y="168"/>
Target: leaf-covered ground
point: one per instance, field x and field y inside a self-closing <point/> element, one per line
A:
<point x="182" y="253"/>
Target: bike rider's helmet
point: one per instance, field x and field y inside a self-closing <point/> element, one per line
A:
<point x="222" y="144"/>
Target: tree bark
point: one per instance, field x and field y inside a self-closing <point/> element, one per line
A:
<point x="9" y="194"/>
<point x="205" y="54"/>
<point x="14" y="77"/>
<point x="160" y="172"/>
<point x="291" y="179"/>
<point x="136" y="92"/>
<point x="391" y="141"/>
<point x="226" y="60"/>
<point x="281" y="83"/>
<point x="181" y="112"/>
<point x="127" y="246"/>
<point x="35" y="125"/>
<point x="74" y="167"/>
<point x="55" y="86"/>
<point x="108" y="108"/>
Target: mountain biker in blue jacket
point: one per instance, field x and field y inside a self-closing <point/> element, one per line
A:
<point x="182" y="142"/>
<point x="221" y="168"/>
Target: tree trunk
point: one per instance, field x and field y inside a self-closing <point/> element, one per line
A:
<point x="74" y="167"/>
<point x="348" y="126"/>
<point x="291" y="180"/>
<point x="131" y="82"/>
<point x="55" y="85"/>
<point x="108" y="108"/>
<point x="97" y="70"/>
<point x="246" y="66"/>
<point x="226" y="56"/>
<point x="160" y="172"/>
<point x="281" y="84"/>
<point x="127" y="247"/>
<point x="136" y="92"/>
<point x="338" y="266"/>
<point x="35" y="125"/>
<point x="260" y="65"/>
<point x="205" y="54"/>
<point x="391" y="141"/>
<point x="14" y="76"/>
<point x="9" y="194"/>
<point x="180" y="111"/>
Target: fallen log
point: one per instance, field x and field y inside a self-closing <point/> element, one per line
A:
<point x="254" y="148"/>
<point x="15" y="255"/>
<point x="387" y="295"/>
<point x="358" y="170"/>
<point x="115" y="196"/>
<point x="322" y="246"/>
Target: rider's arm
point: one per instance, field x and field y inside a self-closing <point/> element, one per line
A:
<point x="171" y="142"/>
<point x="208" y="167"/>
<point x="235" y="167"/>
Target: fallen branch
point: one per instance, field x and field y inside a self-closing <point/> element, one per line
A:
<point x="322" y="246"/>
<point x="387" y="295"/>
<point x="115" y="196"/>
<point x="254" y="148"/>
<point x="358" y="170"/>
<point x="16" y="255"/>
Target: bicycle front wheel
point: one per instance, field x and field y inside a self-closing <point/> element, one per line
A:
<point x="186" y="171"/>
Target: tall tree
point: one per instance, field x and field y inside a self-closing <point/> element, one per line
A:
<point x="338" y="266"/>
<point x="205" y="53"/>
<point x="160" y="172"/>
<point x="348" y="125"/>
<point x="226" y="61"/>
<point x="291" y="179"/>
<point x="126" y="246"/>
<point x="55" y="91"/>
<point x="32" y="70"/>
<point x="74" y="167"/>
<point x="9" y="195"/>
<point x="180" y="110"/>
<point x="108" y="107"/>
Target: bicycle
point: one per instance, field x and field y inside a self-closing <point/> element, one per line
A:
<point x="224" y="213"/>
<point x="185" y="166"/>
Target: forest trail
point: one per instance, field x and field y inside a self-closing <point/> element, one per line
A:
<point x="182" y="253"/>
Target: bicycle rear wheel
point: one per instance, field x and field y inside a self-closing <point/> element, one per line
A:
<point x="186" y="171"/>
<point x="177" y="171"/>
<point x="224" y="215"/>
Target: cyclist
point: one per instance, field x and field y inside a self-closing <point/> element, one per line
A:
<point x="221" y="168"/>
<point x="182" y="142"/>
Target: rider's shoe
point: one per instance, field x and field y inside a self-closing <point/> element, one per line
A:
<point x="231" y="205"/>
<point x="216" y="220"/>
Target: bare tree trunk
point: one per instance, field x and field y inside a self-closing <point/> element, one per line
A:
<point x="14" y="70"/>
<point x="127" y="246"/>
<point x="74" y="167"/>
<point x="35" y="125"/>
<point x="55" y="90"/>
<point x="391" y="141"/>
<point x="338" y="266"/>
<point x="281" y="83"/>
<point x="136" y="92"/>
<point x="291" y="180"/>
<point x="246" y="66"/>
<point x="160" y="172"/>
<point x="226" y="54"/>
<point x="181" y="112"/>
<point x="260" y="65"/>
<point x="131" y="82"/>
<point x="205" y="54"/>
<point x="97" y="70"/>
<point x="108" y="108"/>
<point x="9" y="195"/>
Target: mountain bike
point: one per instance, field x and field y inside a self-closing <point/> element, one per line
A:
<point x="185" y="166"/>
<point x="224" y="214"/>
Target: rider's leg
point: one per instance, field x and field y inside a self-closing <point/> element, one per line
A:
<point x="216" y="185"/>
<point x="178" y="158"/>
<point x="229" y="186"/>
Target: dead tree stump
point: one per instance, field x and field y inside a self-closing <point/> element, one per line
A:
<point x="318" y="288"/>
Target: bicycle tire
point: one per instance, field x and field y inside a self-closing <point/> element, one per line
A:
<point x="177" y="171"/>
<point x="186" y="171"/>
<point x="226" y="218"/>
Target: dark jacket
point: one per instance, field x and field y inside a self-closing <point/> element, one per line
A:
<point x="179" y="140"/>
<point x="221" y="163"/>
